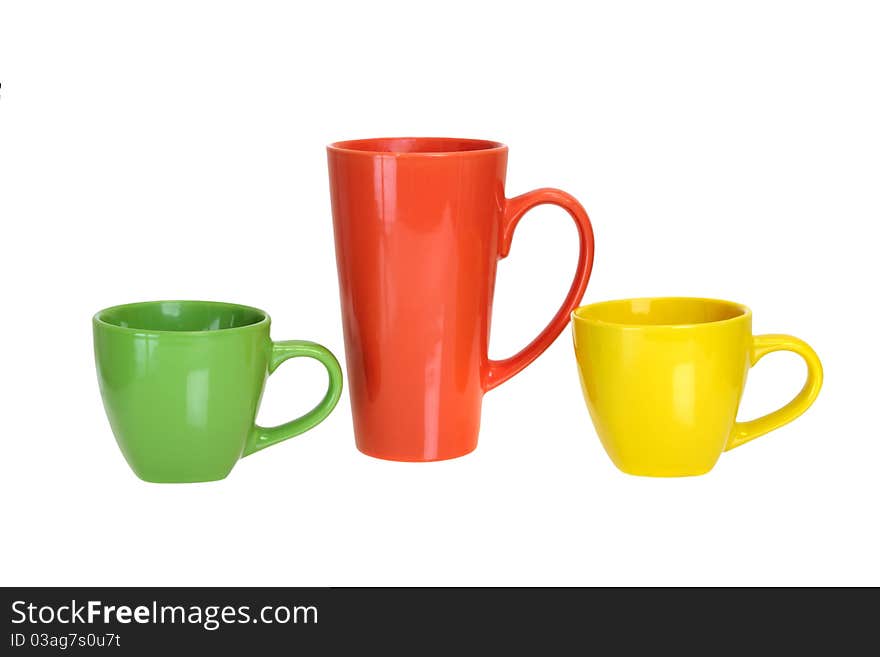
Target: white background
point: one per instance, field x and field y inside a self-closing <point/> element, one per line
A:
<point x="176" y="150"/>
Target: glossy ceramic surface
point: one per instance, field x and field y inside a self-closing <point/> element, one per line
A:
<point x="663" y="380"/>
<point x="182" y="380"/>
<point x="420" y="224"/>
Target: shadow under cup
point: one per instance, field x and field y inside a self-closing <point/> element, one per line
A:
<point x="181" y="383"/>
<point x="663" y="379"/>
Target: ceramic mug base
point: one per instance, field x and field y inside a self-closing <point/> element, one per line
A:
<point x="403" y="459"/>
<point x="663" y="474"/>
<point x="668" y="470"/>
<point x="181" y="480"/>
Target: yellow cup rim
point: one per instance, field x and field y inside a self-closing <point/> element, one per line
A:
<point x="585" y="313"/>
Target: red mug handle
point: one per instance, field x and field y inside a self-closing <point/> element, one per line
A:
<point x="499" y="371"/>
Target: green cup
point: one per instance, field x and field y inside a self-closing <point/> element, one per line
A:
<point x="182" y="382"/>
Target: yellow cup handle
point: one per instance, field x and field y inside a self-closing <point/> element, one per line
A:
<point x="762" y="345"/>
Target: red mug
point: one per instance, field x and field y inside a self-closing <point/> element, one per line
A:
<point x="420" y="224"/>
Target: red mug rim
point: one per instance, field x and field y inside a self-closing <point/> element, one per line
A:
<point x="418" y="146"/>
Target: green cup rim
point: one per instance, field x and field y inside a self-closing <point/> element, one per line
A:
<point x="265" y="320"/>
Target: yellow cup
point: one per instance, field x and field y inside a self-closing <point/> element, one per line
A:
<point x="663" y="379"/>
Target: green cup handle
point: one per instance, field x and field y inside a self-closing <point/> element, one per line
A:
<point x="262" y="437"/>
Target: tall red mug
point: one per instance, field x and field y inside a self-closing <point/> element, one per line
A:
<point x="420" y="224"/>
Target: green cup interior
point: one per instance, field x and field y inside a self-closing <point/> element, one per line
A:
<point x="181" y="316"/>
